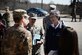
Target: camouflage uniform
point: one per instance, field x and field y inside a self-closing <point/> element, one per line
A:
<point x="36" y="30"/>
<point x="17" y="41"/>
<point x="8" y="18"/>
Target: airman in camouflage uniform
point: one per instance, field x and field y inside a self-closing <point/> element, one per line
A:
<point x="37" y="35"/>
<point x="17" y="40"/>
<point x="8" y="18"/>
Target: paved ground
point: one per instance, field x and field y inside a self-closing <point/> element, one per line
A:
<point x="76" y="25"/>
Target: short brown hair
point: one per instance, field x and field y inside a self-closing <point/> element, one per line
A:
<point x="17" y="16"/>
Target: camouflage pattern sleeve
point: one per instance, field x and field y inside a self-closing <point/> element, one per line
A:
<point x="29" y="40"/>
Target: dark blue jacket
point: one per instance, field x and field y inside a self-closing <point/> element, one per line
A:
<point x="64" y="39"/>
<point x="51" y="39"/>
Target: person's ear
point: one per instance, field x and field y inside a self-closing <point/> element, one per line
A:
<point x="22" y="19"/>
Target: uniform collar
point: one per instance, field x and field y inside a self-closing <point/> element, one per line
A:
<point x="18" y="25"/>
<point x="28" y="25"/>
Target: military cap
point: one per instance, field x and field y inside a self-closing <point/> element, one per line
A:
<point x="53" y="6"/>
<point x="18" y="13"/>
<point x="33" y="16"/>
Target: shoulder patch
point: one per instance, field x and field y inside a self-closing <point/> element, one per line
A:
<point x="70" y="29"/>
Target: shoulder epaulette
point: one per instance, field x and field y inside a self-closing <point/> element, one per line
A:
<point x="70" y="29"/>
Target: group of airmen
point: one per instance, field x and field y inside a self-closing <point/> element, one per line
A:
<point x="21" y="36"/>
